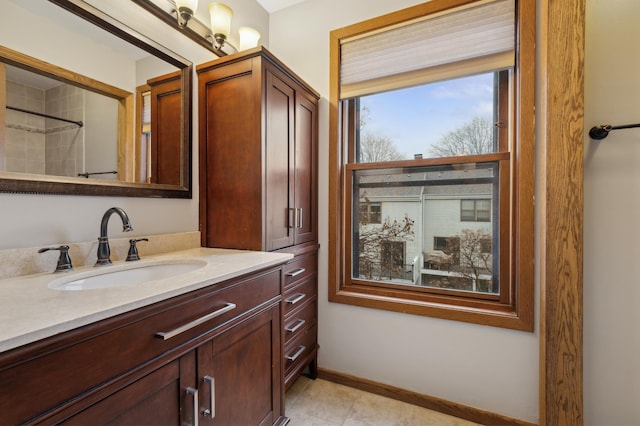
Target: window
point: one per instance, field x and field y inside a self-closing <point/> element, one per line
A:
<point x="431" y="127"/>
<point x="475" y="210"/>
<point x="370" y="213"/>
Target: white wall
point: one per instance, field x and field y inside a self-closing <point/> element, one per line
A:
<point x="28" y="220"/>
<point x="612" y="215"/>
<point x="489" y="368"/>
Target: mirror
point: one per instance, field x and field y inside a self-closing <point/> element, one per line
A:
<point x="98" y="109"/>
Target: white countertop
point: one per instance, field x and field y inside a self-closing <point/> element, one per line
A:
<point x="30" y="310"/>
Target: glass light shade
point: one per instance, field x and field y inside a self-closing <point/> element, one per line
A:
<point x="220" y="18"/>
<point x="192" y="5"/>
<point x="248" y="38"/>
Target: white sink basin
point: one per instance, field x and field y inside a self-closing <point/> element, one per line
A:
<point x="103" y="277"/>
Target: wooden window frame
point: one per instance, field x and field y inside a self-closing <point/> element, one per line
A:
<point x="514" y="309"/>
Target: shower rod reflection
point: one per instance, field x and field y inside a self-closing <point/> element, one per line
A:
<point x="601" y="132"/>
<point x="39" y="114"/>
<point x="87" y="174"/>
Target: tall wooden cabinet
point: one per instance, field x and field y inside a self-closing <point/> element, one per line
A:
<point x="258" y="179"/>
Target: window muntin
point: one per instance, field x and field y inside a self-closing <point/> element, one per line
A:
<point x="511" y="307"/>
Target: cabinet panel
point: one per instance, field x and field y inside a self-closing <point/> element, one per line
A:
<point x="305" y="170"/>
<point x="280" y="213"/>
<point x="155" y="399"/>
<point x="166" y="146"/>
<point x="231" y="157"/>
<point x="239" y="373"/>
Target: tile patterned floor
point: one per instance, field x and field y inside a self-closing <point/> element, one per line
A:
<point x="322" y="403"/>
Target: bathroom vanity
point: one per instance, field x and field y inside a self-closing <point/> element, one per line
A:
<point x="201" y="347"/>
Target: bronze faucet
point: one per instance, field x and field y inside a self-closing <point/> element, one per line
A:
<point x="104" y="252"/>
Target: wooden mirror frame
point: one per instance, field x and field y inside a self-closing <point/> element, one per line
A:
<point x="28" y="183"/>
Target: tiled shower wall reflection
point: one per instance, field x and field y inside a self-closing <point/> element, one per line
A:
<point x="41" y="145"/>
<point x="64" y="141"/>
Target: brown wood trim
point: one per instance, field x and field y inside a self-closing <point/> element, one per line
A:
<point x="430" y="402"/>
<point x="20" y="60"/>
<point x="126" y="148"/>
<point x="561" y="225"/>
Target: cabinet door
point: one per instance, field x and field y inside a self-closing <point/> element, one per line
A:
<point x="305" y="170"/>
<point x="279" y="163"/>
<point x="239" y="373"/>
<point x="166" y="110"/>
<point x="163" y="397"/>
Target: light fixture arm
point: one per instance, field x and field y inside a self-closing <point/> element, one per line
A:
<point x="183" y="15"/>
<point x="218" y="41"/>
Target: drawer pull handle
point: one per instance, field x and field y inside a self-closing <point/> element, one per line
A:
<point x="296" y="299"/>
<point x="295" y="356"/>
<point x="293" y="329"/>
<point x="194" y="394"/>
<point x="296" y="272"/>
<point x="169" y="334"/>
<point x="211" y="411"/>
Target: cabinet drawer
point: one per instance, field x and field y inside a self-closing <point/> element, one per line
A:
<point x="85" y="358"/>
<point x="300" y="320"/>
<point x="300" y="268"/>
<point x="297" y="352"/>
<point x="301" y="293"/>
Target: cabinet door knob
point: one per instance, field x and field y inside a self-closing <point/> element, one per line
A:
<point x="293" y="217"/>
<point x="299" y="218"/>
<point x="211" y="411"/>
<point x="194" y="393"/>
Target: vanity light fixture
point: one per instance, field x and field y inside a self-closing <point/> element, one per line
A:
<point x="221" y="15"/>
<point x="181" y="14"/>
<point x="185" y="10"/>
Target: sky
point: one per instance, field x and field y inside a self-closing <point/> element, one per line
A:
<point x="414" y="118"/>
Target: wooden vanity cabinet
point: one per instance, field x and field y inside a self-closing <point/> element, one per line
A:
<point x="258" y="176"/>
<point x="215" y="349"/>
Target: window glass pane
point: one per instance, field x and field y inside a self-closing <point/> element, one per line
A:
<point x="421" y="239"/>
<point x="443" y="119"/>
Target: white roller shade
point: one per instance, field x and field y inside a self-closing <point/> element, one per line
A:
<point x="146" y="112"/>
<point x="464" y="40"/>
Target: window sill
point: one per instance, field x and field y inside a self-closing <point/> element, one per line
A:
<point x="470" y="310"/>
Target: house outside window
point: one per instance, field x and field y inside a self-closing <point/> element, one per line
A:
<point x="442" y="175"/>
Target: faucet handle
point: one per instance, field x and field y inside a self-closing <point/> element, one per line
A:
<point x="133" y="249"/>
<point x="64" y="261"/>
